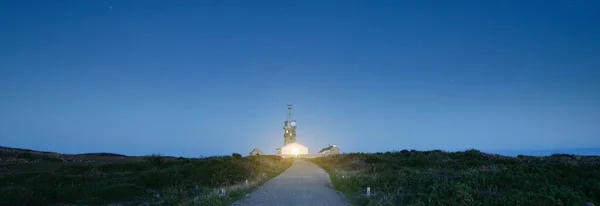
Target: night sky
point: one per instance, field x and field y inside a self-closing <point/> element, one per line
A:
<point x="191" y="78"/>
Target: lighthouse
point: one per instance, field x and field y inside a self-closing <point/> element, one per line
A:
<point x="290" y="146"/>
<point x="289" y="128"/>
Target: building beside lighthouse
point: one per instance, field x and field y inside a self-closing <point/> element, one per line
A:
<point x="330" y="150"/>
<point x="290" y="146"/>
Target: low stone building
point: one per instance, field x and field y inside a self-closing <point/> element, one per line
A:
<point x="292" y="149"/>
<point x="331" y="149"/>
<point x="256" y="152"/>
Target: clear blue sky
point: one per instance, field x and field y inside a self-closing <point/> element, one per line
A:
<point x="190" y="78"/>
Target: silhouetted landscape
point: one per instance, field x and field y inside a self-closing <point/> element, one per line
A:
<point x="30" y="177"/>
<point x="548" y="152"/>
<point x="464" y="178"/>
<point x="395" y="178"/>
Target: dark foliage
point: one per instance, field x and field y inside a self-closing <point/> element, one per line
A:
<point x="464" y="178"/>
<point x="136" y="181"/>
<point x="104" y="154"/>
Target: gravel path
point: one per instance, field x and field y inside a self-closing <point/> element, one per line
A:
<point x="304" y="183"/>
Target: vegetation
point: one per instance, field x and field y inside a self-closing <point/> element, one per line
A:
<point x="464" y="178"/>
<point x="35" y="178"/>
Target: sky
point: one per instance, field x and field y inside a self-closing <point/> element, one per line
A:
<point x="202" y="78"/>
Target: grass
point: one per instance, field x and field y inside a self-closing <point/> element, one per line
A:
<point x="33" y="178"/>
<point x="464" y="178"/>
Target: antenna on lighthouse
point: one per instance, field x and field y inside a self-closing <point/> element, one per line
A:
<point x="289" y="127"/>
<point x="289" y="116"/>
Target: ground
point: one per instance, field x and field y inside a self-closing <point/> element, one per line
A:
<point x="303" y="183"/>
<point x="395" y="178"/>
<point x="464" y="178"/>
<point x="35" y="178"/>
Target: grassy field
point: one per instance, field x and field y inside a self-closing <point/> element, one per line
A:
<point x="464" y="178"/>
<point x="37" y="178"/>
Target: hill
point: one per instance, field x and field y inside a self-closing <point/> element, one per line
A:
<point x="464" y="178"/>
<point x="548" y="152"/>
<point x="29" y="177"/>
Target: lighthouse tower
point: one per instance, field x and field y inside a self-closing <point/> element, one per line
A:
<point x="290" y="146"/>
<point x="289" y="128"/>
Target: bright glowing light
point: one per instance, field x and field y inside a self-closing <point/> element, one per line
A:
<point x="295" y="151"/>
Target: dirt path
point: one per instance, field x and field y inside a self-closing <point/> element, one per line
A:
<point x="303" y="183"/>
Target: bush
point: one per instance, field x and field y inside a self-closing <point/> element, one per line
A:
<point x="25" y="155"/>
<point x="236" y="156"/>
<point x="464" y="178"/>
<point x="154" y="179"/>
<point x="155" y="160"/>
<point x="132" y="182"/>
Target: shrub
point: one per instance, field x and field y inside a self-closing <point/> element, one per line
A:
<point x="154" y="179"/>
<point x="236" y="156"/>
<point x="130" y="182"/>
<point x="464" y="178"/>
<point x="25" y="155"/>
<point x="155" y="160"/>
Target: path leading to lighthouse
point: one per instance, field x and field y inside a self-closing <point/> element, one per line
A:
<point x="304" y="183"/>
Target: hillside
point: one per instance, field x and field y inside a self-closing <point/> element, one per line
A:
<point x="464" y="178"/>
<point x="29" y="177"/>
